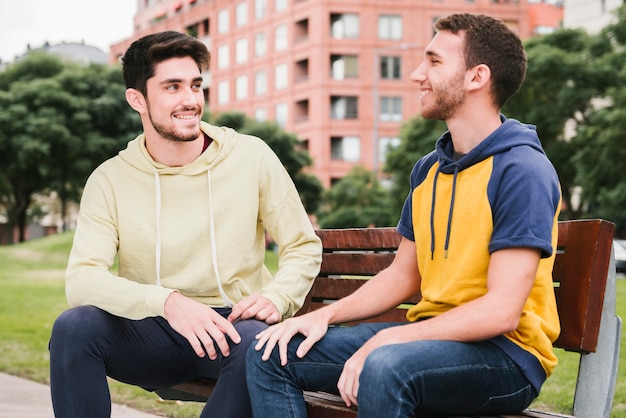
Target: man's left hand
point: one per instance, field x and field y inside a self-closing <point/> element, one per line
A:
<point x="255" y="306"/>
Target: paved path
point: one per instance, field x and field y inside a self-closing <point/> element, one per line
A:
<point x="21" y="398"/>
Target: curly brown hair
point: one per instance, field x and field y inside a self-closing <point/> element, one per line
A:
<point x="491" y="42"/>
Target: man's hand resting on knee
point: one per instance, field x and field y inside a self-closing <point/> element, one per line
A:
<point x="200" y="325"/>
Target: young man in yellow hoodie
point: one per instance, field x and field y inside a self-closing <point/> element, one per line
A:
<point x="479" y="230"/>
<point x="185" y="208"/>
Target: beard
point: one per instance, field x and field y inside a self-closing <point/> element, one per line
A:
<point x="447" y="99"/>
<point x="173" y="133"/>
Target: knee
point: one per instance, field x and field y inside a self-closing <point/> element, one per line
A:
<point x="257" y="366"/>
<point x="380" y="365"/>
<point x="74" y="325"/>
<point x="248" y="330"/>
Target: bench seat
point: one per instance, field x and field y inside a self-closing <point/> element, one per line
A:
<point x="584" y="284"/>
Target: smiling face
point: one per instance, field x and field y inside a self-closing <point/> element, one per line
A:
<point x="175" y="100"/>
<point x="441" y="76"/>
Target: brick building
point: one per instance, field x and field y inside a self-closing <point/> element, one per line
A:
<point x="335" y="73"/>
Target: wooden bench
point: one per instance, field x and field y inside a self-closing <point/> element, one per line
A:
<point x="584" y="283"/>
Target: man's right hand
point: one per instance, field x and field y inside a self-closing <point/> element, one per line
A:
<point x="200" y="325"/>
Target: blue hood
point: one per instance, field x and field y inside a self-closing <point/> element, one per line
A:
<point x="510" y="134"/>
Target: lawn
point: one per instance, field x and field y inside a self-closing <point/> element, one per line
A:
<point x="32" y="296"/>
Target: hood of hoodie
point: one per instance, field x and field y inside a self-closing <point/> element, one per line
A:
<point x="510" y="134"/>
<point x="136" y="153"/>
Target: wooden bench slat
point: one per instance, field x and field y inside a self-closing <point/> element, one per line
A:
<point x="377" y="239"/>
<point x="355" y="264"/>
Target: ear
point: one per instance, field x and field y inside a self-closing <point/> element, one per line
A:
<point x="136" y="100"/>
<point x="478" y="77"/>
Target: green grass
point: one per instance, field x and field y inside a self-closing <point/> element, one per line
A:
<point x="32" y="296"/>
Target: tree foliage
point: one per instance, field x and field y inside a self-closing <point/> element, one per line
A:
<point x="58" y="120"/>
<point x="357" y="200"/>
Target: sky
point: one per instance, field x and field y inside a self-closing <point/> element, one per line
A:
<point x="98" y="23"/>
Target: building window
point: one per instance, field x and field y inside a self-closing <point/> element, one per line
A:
<point x="260" y="114"/>
<point x="344" y="66"/>
<point x="301" y="110"/>
<point x="222" y="21"/>
<point x="223" y="57"/>
<point x="301" y="30"/>
<point x="260" y="44"/>
<point x="280" y="5"/>
<point x="260" y="9"/>
<point x="344" y="25"/>
<point x="280" y="77"/>
<point x="241" y="87"/>
<point x="241" y="51"/>
<point x="345" y="148"/>
<point x="241" y="14"/>
<point x="281" y="114"/>
<point x="280" y="38"/>
<point x="386" y="144"/>
<point x="390" y="68"/>
<point x="389" y="27"/>
<point x="223" y="92"/>
<point x="301" y="70"/>
<point x="260" y="82"/>
<point x="391" y="109"/>
<point x="344" y="107"/>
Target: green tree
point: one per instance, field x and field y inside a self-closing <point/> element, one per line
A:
<point x="58" y="120"/>
<point x="418" y="137"/>
<point x="287" y="147"/>
<point x="357" y="200"/>
<point x="600" y="156"/>
<point x="565" y="73"/>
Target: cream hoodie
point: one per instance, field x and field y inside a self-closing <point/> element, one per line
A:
<point x="198" y="229"/>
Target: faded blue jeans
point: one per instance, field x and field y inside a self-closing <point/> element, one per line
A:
<point x="400" y="380"/>
<point x="89" y="344"/>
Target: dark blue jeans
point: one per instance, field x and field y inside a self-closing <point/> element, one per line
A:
<point x="400" y="380"/>
<point x="89" y="344"/>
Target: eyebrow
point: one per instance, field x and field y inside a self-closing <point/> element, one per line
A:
<point x="180" y="80"/>
<point x="431" y="53"/>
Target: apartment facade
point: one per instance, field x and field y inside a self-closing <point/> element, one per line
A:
<point x="335" y="73"/>
<point x="591" y="15"/>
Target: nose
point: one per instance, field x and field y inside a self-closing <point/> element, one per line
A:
<point x="419" y="74"/>
<point x="190" y="96"/>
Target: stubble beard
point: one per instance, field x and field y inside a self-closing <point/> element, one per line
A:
<point x="172" y="133"/>
<point x="448" y="100"/>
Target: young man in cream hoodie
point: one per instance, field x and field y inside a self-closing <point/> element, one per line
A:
<point x="185" y="208"/>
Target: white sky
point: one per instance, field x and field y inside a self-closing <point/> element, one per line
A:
<point x="96" y="22"/>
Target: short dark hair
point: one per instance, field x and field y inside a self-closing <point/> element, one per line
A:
<point x="491" y="42"/>
<point x="141" y="58"/>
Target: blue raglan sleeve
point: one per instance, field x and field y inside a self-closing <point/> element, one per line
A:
<point x="525" y="195"/>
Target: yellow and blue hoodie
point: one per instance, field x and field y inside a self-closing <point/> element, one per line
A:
<point x="198" y="229"/>
<point x="504" y="193"/>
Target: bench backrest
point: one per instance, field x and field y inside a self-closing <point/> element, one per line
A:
<point x="580" y="272"/>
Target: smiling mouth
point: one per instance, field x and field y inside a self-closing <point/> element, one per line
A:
<point x="186" y="117"/>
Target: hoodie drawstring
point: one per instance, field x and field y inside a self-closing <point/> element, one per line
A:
<point x="449" y="226"/>
<point x="229" y="303"/>
<point x="432" y="214"/>
<point x="157" y="188"/>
